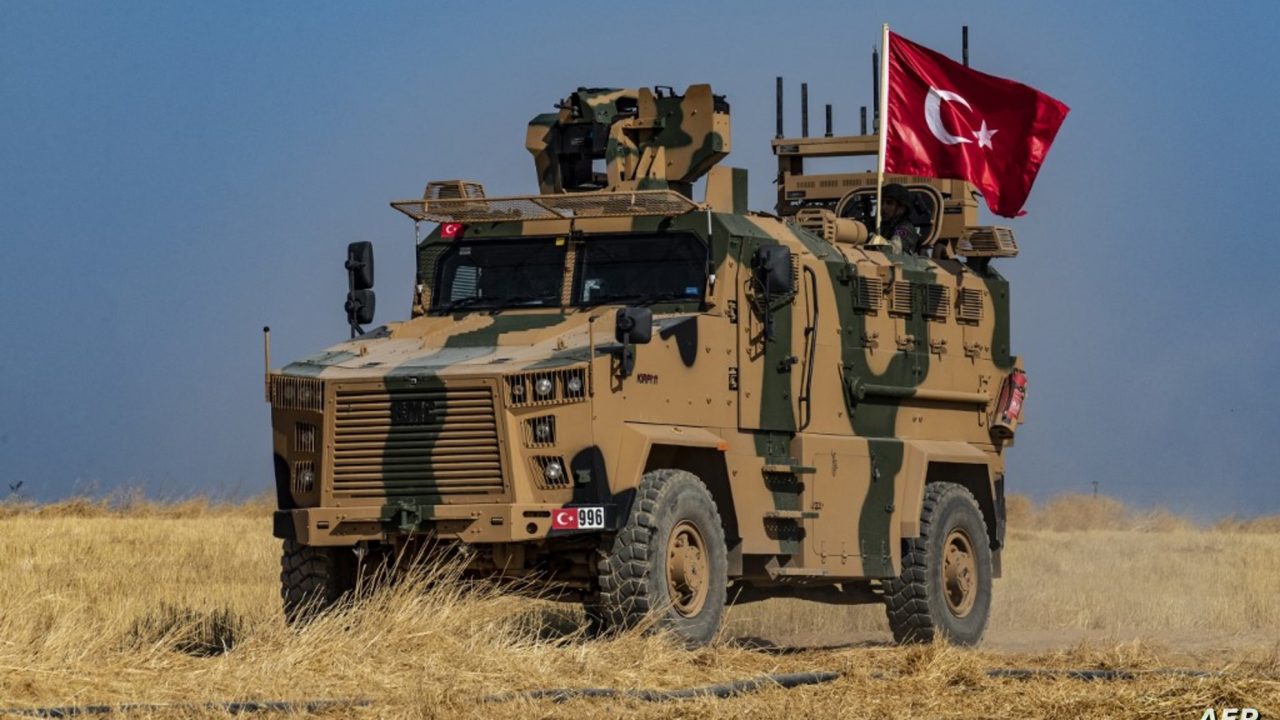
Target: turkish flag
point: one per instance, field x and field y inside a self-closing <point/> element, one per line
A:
<point x="945" y="120"/>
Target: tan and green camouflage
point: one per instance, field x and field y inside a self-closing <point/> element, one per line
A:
<point x="883" y="372"/>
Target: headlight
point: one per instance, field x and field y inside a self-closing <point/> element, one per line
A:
<point x="554" y="471"/>
<point x="543" y="387"/>
<point x="574" y="384"/>
<point x="542" y="431"/>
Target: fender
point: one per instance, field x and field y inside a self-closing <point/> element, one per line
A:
<point x="920" y="457"/>
<point x="639" y="438"/>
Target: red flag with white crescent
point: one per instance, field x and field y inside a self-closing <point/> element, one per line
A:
<point x="945" y="120"/>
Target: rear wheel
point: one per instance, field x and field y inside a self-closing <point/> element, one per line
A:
<point x="668" y="560"/>
<point x="314" y="579"/>
<point x="945" y="587"/>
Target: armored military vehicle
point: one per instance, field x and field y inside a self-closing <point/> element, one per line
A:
<point x="655" y="405"/>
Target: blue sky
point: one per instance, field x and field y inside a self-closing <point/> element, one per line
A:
<point x="174" y="177"/>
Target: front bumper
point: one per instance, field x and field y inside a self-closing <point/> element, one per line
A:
<point x="478" y="523"/>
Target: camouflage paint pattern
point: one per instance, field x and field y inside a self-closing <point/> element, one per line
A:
<point x="881" y="374"/>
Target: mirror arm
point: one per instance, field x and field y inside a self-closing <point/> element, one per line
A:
<point x="628" y="355"/>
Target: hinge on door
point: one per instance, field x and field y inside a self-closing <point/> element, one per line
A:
<point x="733" y="378"/>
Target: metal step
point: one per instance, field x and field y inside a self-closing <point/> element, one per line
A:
<point x="792" y="514"/>
<point x="785" y="469"/>
<point x="799" y="572"/>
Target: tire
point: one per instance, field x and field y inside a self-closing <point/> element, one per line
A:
<point x="668" y="561"/>
<point x="945" y="587"/>
<point x="314" y="579"/>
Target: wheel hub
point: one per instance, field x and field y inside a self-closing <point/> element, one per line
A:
<point x="687" y="569"/>
<point x="959" y="573"/>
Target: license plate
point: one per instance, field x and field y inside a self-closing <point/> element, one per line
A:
<point x="578" y="518"/>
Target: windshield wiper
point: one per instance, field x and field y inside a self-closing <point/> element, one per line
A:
<point x="650" y="299"/>
<point x="521" y="301"/>
<point x="465" y="302"/>
<point x="641" y="298"/>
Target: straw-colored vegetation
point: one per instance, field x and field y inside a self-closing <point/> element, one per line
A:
<point x="141" y="602"/>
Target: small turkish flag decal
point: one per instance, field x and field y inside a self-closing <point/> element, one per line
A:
<point x="451" y="230"/>
<point x="564" y="519"/>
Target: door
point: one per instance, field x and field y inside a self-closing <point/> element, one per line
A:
<point x="772" y="345"/>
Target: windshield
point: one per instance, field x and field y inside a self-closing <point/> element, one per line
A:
<point x="499" y="273"/>
<point x="639" y="269"/>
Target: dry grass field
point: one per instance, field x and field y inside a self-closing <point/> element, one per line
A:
<point x="135" y="602"/>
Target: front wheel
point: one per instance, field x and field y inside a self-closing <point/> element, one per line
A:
<point x="668" y="560"/>
<point x="314" y="579"/>
<point x="945" y="587"/>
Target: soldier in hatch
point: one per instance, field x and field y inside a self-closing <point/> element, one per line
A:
<point x="895" y="219"/>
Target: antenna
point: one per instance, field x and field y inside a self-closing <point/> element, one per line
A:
<point x="828" y="120"/>
<point x="964" y="44"/>
<point x="804" y="109"/>
<point x="863" y="115"/>
<point x="779" y="112"/>
<point x="875" y="89"/>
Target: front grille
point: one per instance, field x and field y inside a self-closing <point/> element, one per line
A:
<point x="415" y="442"/>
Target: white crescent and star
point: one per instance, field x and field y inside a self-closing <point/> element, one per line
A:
<point x="933" y="118"/>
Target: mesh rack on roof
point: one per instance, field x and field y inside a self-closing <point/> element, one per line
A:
<point x="547" y="207"/>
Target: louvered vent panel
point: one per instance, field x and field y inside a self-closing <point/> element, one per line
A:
<point x="900" y="298"/>
<point x="288" y="392"/>
<point x="414" y="442"/>
<point x="819" y="222"/>
<point x="867" y="293"/>
<point x="937" y="302"/>
<point x="969" y="305"/>
<point x="304" y="437"/>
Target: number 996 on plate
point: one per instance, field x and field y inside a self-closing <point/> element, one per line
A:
<point x="578" y="518"/>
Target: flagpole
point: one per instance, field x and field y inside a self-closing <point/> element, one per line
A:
<point x="884" y="118"/>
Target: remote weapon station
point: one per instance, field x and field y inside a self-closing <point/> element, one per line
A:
<point x="655" y="405"/>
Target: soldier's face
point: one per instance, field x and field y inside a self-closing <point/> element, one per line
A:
<point x="891" y="207"/>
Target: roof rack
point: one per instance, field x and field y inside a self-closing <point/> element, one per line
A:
<point x="547" y="207"/>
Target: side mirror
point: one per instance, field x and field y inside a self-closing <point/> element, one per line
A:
<point x="633" y="325"/>
<point x="772" y="264"/>
<point x="360" y="304"/>
<point x="360" y="298"/>
<point x="360" y="264"/>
